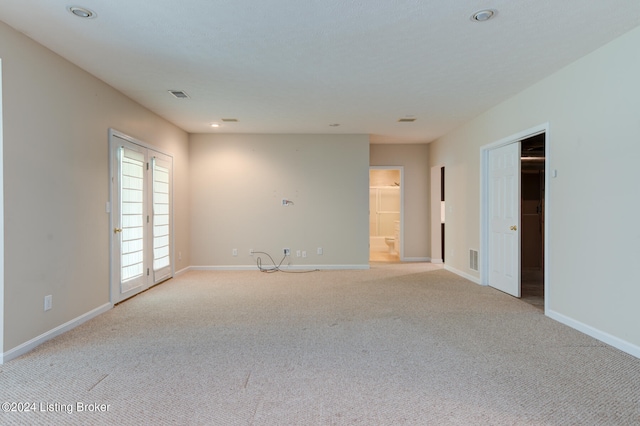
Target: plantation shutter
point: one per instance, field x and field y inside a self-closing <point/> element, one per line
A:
<point x="132" y="217"/>
<point x="161" y="172"/>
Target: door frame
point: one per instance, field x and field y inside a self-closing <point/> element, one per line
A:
<point x="437" y="257"/>
<point x="2" y="227"/>
<point x="483" y="262"/>
<point x="401" y="168"/>
<point x="112" y="175"/>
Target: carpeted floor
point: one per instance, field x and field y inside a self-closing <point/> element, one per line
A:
<point x="397" y="344"/>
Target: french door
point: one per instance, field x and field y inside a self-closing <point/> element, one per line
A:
<point x="141" y="219"/>
<point x="504" y="218"/>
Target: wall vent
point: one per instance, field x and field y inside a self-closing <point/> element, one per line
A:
<point x="230" y="120"/>
<point x="406" y="120"/>
<point x="473" y="259"/>
<point x="179" y="94"/>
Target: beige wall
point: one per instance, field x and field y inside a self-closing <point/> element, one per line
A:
<point x="591" y="108"/>
<point x="415" y="159"/>
<point x="56" y="121"/>
<point x="238" y="182"/>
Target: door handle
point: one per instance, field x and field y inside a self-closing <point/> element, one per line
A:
<point x="513" y="228"/>
<point x="116" y="230"/>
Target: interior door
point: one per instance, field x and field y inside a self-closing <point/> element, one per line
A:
<point x="141" y="239"/>
<point x="504" y="218"/>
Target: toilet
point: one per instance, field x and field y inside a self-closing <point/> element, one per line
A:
<point x="391" y="243"/>
<point x="395" y="239"/>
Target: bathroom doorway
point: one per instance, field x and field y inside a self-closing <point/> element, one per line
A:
<point x="385" y="213"/>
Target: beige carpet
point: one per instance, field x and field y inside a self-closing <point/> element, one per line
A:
<point x="397" y="344"/>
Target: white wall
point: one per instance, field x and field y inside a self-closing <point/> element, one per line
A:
<point x="56" y="121"/>
<point x="594" y="144"/>
<point x="414" y="158"/>
<point x="238" y="182"/>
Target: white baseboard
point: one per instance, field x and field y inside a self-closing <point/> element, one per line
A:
<point x="605" y="337"/>
<point x="285" y="267"/>
<point x="416" y="259"/>
<point x="463" y="274"/>
<point x="338" y="267"/>
<point x="182" y="271"/>
<point x="223" y="268"/>
<point x="438" y="261"/>
<point x="31" y="344"/>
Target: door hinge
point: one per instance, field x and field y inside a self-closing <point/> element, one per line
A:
<point x="147" y="166"/>
<point x="147" y="271"/>
<point x="147" y="218"/>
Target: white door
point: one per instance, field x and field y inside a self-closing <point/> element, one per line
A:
<point x="141" y="240"/>
<point x="504" y="218"/>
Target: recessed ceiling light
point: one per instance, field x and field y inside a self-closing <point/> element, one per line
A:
<point x="483" y="15"/>
<point x="215" y="125"/>
<point x="82" y="12"/>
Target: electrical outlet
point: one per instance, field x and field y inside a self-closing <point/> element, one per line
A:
<point x="287" y="252"/>
<point x="319" y="252"/>
<point x="48" y="302"/>
<point x="304" y="253"/>
<point x="234" y="252"/>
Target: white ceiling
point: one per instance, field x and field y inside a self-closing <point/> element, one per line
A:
<point x="297" y="66"/>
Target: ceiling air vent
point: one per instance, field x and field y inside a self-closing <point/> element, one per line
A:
<point x="230" y="120"/>
<point x="179" y="94"/>
<point x="406" y="120"/>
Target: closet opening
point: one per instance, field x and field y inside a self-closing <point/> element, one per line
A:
<point x="532" y="219"/>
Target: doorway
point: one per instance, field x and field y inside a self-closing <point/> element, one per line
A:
<point x="2" y="228"/>
<point x="438" y="210"/>
<point x="385" y="213"/>
<point x="141" y="217"/>
<point x="442" y="212"/>
<point x="532" y="220"/>
<point x="520" y="252"/>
